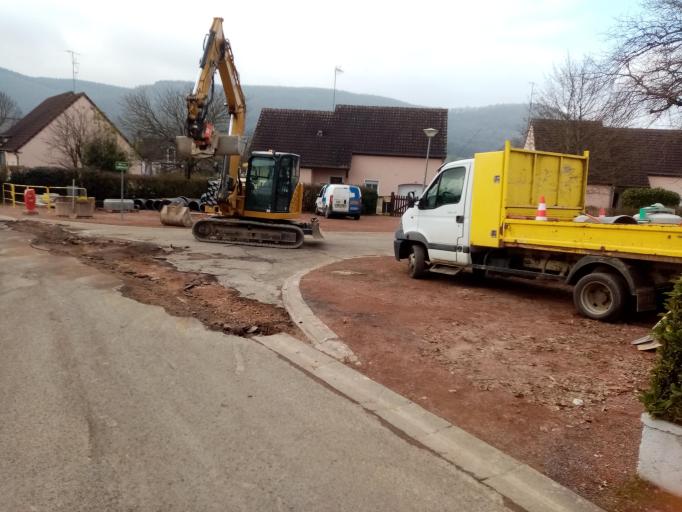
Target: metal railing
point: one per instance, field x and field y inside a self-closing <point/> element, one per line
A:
<point x="13" y="193"/>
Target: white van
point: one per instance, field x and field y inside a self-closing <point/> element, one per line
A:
<point x="344" y="200"/>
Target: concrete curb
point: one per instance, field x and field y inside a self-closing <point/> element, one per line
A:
<point x="517" y="482"/>
<point x="321" y="336"/>
<point x="520" y="484"/>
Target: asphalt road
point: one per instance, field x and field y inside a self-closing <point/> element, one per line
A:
<point x="256" y="272"/>
<point x="112" y="405"/>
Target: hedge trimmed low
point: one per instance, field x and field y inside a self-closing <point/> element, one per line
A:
<point x="641" y="197"/>
<point x="104" y="184"/>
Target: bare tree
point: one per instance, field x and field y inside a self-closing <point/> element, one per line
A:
<point x="9" y="110"/>
<point x="585" y="99"/>
<point x="161" y="115"/>
<point x="581" y="90"/>
<point x="647" y="59"/>
<point x="70" y="134"/>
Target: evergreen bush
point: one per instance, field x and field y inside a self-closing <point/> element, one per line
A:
<point x="641" y="197"/>
<point x="663" y="399"/>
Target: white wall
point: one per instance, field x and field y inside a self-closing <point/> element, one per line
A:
<point x="668" y="183"/>
<point x="37" y="151"/>
<point x="599" y="196"/>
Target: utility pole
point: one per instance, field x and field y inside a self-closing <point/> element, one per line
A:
<point x="337" y="70"/>
<point x="74" y="67"/>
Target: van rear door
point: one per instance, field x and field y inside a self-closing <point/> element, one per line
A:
<point x="341" y="199"/>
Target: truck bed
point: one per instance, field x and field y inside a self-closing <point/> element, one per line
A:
<point x="507" y="187"/>
<point x="653" y="242"/>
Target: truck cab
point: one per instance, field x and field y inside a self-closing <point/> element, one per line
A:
<point x="439" y="218"/>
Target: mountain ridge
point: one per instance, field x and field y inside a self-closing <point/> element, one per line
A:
<point x="470" y="129"/>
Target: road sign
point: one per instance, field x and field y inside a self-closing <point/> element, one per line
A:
<point x="121" y="166"/>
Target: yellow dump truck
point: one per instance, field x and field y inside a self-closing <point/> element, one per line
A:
<point x="480" y="214"/>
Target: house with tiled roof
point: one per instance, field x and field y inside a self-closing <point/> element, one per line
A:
<point x="33" y="140"/>
<point x="378" y="147"/>
<point x="620" y="158"/>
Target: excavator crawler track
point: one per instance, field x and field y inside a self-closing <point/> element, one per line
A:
<point x="248" y="232"/>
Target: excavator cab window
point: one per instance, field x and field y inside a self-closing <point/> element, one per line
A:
<point x="270" y="182"/>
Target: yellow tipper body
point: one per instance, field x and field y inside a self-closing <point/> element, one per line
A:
<point x="506" y="190"/>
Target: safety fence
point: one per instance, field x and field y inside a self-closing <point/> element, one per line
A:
<point x="13" y="194"/>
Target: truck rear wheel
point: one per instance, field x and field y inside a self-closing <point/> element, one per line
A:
<point x="416" y="262"/>
<point x="600" y="296"/>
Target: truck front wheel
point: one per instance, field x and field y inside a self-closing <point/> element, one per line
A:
<point x="416" y="263"/>
<point x="600" y="296"/>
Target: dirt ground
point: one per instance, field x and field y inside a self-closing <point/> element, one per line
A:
<point x="509" y="361"/>
<point x="147" y="218"/>
<point x="148" y="278"/>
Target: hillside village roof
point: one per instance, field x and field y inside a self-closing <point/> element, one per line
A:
<point x="329" y="139"/>
<point x="623" y="157"/>
<point x="20" y="133"/>
<point x="32" y="123"/>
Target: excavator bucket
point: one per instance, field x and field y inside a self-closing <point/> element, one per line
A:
<point x="176" y="215"/>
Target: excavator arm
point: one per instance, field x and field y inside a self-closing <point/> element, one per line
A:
<point x="202" y="140"/>
<point x="217" y="56"/>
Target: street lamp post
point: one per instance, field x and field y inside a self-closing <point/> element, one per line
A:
<point x="430" y="134"/>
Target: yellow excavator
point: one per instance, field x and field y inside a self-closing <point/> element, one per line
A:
<point x="261" y="205"/>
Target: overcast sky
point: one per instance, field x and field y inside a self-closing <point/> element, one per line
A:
<point x="435" y="53"/>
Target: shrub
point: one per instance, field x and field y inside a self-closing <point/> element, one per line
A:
<point x="44" y="176"/>
<point x="640" y="197"/>
<point x="310" y="193"/>
<point x="663" y="399"/>
<point x="369" y="201"/>
<point x="104" y="184"/>
<point x="102" y="152"/>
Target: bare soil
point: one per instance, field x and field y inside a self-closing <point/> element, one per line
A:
<point x="147" y="277"/>
<point x="508" y="360"/>
<point x="147" y="218"/>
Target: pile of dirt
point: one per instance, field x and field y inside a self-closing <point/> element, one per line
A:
<point x="508" y="360"/>
<point x="147" y="277"/>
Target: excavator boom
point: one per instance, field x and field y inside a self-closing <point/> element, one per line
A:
<point x="261" y="207"/>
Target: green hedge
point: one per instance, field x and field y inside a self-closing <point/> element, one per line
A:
<point x="641" y="197"/>
<point x="663" y="399"/>
<point x="310" y="193"/>
<point x="103" y="184"/>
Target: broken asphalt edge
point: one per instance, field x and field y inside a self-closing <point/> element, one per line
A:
<point x="513" y="480"/>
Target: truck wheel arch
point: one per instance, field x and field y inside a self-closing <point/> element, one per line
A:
<point x="413" y="238"/>
<point x="589" y="264"/>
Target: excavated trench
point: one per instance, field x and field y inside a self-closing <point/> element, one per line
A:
<point x="149" y="278"/>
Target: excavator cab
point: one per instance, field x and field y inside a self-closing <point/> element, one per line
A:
<point x="271" y="179"/>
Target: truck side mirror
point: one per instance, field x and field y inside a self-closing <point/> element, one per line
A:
<point x="411" y="199"/>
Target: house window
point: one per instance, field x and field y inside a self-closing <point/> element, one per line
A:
<point x="372" y="185"/>
<point x="336" y="179"/>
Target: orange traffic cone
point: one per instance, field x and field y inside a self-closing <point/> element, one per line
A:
<point x="542" y="209"/>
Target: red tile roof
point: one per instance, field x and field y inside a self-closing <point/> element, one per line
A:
<point x="623" y="157"/>
<point x="32" y="123"/>
<point x="329" y="139"/>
